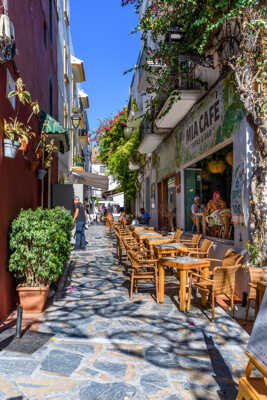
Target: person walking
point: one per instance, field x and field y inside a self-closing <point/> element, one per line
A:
<point x="80" y="218"/>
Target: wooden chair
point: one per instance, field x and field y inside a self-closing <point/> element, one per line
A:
<point x="255" y="276"/>
<point x="143" y="268"/>
<point x="251" y="388"/>
<point x="230" y="258"/>
<point x="220" y="281"/>
<point x="203" y="250"/>
<point x="177" y="235"/>
<point x="193" y="243"/>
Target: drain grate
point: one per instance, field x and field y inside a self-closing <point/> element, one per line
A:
<point x="29" y="342"/>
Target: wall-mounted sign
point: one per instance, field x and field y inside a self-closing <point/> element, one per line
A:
<point x="238" y="183"/>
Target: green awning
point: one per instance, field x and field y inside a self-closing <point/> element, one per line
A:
<point x="55" y="131"/>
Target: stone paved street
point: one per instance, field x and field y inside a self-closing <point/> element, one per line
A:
<point x="106" y="346"/>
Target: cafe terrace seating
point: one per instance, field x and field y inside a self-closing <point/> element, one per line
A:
<point x="221" y="281"/>
<point x="193" y="243"/>
<point x="143" y="267"/>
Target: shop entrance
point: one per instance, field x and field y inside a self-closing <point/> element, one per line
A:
<point x="208" y="178"/>
<point x="192" y="187"/>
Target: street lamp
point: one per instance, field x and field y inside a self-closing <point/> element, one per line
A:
<point x="75" y="120"/>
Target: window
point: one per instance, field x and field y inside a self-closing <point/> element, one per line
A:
<point x="10" y="86"/>
<point x="102" y="169"/>
<point x="51" y="21"/>
<point x="50" y="97"/>
<point x="45" y="35"/>
<point x="66" y="76"/>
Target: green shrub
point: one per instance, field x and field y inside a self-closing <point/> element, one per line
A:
<point x="40" y="245"/>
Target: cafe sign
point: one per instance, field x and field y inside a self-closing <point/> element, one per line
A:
<point x="200" y="133"/>
<point x="209" y="123"/>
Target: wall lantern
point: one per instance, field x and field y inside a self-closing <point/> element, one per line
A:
<point x="75" y="120"/>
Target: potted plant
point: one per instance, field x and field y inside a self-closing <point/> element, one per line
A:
<point x="78" y="160"/>
<point x="16" y="133"/>
<point x="40" y="245"/>
<point x="45" y="149"/>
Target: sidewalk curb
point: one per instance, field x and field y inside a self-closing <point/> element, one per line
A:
<point x="63" y="280"/>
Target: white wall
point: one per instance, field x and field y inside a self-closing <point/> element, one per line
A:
<point x="64" y="91"/>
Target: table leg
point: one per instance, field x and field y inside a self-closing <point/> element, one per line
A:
<point x="182" y="291"/>
<point x="161" y="283"/>
<point x="205" y="273"/>
<point x="197" y="223"/>
<point x="204" y="224"/>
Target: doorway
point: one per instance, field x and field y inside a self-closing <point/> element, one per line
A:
<point x="192" y="187"/>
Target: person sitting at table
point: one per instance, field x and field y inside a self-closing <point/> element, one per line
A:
<point x="195" y="209"/>
<point x="211" y="210"/>
<point x="144" y="217"/>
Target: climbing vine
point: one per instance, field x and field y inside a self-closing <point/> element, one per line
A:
<point x="234" y="33"/>
<point x="115" y="151"/>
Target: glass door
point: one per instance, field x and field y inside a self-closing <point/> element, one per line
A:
<point x="192" y="188"/>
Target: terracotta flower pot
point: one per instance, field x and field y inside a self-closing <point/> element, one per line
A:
<point x="23" y="146"/>
<point x="34" y="165"/>
<point x="33" y="299"/>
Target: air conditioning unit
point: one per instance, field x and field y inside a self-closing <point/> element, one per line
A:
<point x="7" y="39"/>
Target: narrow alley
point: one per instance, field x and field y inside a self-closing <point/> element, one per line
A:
<point x="105" y="346"/>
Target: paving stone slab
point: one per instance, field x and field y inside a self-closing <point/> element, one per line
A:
<point x="61" y="362"/>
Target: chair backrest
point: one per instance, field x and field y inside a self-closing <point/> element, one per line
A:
<point x="196" y="239"/>
<point x="178" y="234"/>
<point x="224" y="279"/>
<point x="206" y="246"/>
<point x="231" y="257"/>
<point x="255" y="274"/>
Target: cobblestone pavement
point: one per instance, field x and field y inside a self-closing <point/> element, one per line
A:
<point x="106" y="346"/>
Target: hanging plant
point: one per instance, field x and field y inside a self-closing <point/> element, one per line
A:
<point x="216" y="166"/>
<point x="230" y="158"/>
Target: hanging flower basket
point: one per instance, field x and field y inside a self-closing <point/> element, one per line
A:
<point x="216" y="167"/>
<point x="10" y="148"/>
<point x="230" y="158"/>
<point x="41" y="173"/>
<point x="23" y="146"/>
<point x="34" y="165"/>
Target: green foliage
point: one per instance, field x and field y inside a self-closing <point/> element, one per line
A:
<point x="253" y="253"/>
<point x="40" y="245"/>
<point x="198" y="22"/>
<point x="78" y="160"/>
<point x="116" y="151"/>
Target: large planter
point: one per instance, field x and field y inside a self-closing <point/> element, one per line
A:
<point x="33" y="299"/>
<point x="10" y="148"/>
<point x="41" y="173"/>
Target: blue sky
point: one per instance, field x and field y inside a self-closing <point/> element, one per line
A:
<point x="101" y="37"/>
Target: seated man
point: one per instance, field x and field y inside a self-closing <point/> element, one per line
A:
<point x="144" y="217"/>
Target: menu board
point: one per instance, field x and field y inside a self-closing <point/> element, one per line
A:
<point x="257" y="345"/>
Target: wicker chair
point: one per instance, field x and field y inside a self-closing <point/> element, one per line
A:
<point x="230" y="257"/>
<point x="203" y="250"/>
<point x="221" y="281"/>
<point x="193" y="243"/>
<point x="177" y="235"/>
<point x="143" y="268"/>
<point x="255" y="275"/>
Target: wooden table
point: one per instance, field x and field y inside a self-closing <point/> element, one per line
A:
<point x="152" y="242"/>
<point x="141" y="228"/>
<point x="183" y="265"/>
<point x="170" y="250"/>
<point x="261" y="287"/>
<point x="142" y="235"/>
